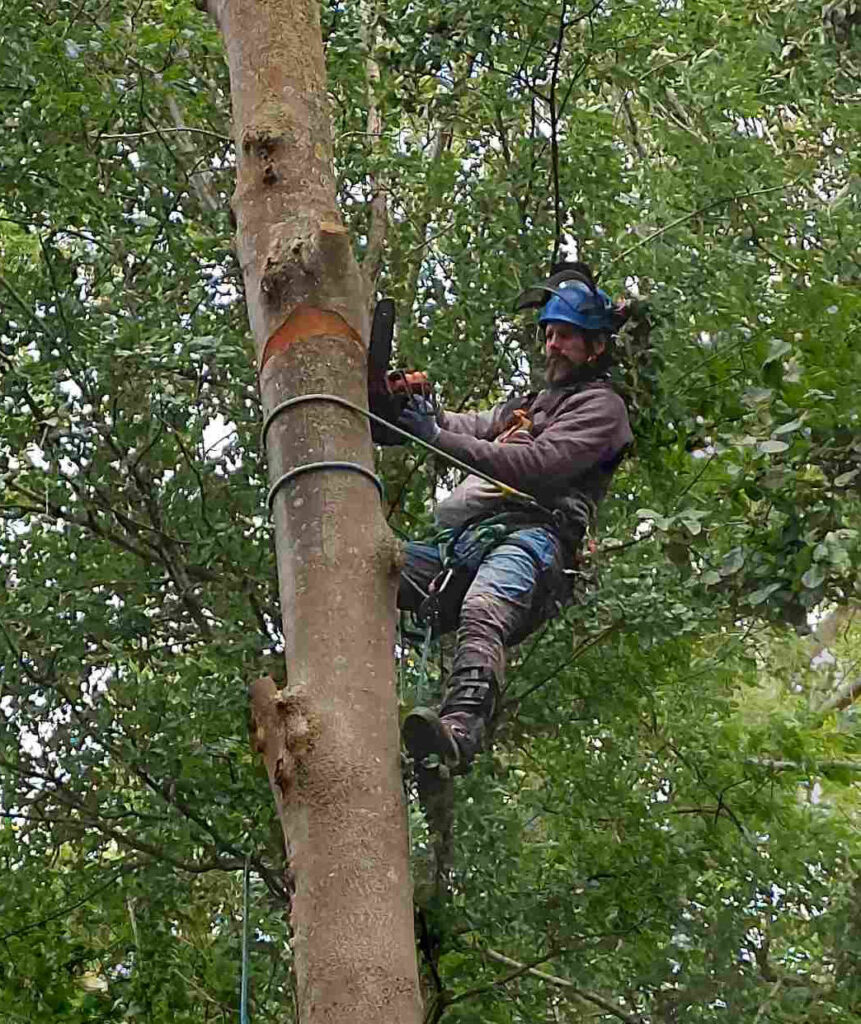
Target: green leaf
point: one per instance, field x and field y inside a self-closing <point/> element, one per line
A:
<point x="678" y="554"/>
<point x="755" y="397"/>
<point x="788" y="428"/>
<point x="772" y="447"/>
<point x="814" y="576"/>
<point x="846" y="478"/>
<point x="777" y="350"/>
<point x="732" y="562"/>
<point x="761" y="595"/>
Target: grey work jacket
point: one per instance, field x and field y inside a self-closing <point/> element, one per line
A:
<point x="565" y="460"/>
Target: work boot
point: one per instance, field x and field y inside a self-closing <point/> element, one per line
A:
<point x="456" y="733"/>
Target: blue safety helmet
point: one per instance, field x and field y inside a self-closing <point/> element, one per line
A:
<point x="574" y="302"/>
<point x="571" y="295"/>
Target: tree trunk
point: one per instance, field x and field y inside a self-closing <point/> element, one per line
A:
<point x="330" y="740"/>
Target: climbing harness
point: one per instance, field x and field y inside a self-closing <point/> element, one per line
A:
<point x="459" y="562"/>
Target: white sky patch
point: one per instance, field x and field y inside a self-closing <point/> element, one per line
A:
<point x="37" y="456"/>
<point x="71" y="390"/>
<point x="823" y="659"/>
<point x="571" y="246"/>
<point x="29" y="743"/>
<point x="751" y="126"/>
<point x="645" y="528"/>
<point x="442" y="492"/>
<point x="217" y="435"/>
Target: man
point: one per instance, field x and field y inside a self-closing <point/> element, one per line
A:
<point x="505" y="570"/>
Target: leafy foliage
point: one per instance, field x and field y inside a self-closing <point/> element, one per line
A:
<point x="668" y="826"/>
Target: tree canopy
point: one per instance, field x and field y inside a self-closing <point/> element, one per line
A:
<point x="668" y="826"/>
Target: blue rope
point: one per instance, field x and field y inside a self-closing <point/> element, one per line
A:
<point x="243" y="993"/>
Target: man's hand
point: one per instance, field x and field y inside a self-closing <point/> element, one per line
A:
<point x="419" y="419"/>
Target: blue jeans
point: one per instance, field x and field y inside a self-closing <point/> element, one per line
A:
<point x="494" y="600"/>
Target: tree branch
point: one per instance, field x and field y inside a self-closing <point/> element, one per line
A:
<point x="809" y="768"/>
<point x="845" y="695"/>
<point x="632" y="127"/>
<point x="200" y="183"/>
<point x="68" y="908"/>
<point x="581" y="648"/>
<point x="583" y="993"/>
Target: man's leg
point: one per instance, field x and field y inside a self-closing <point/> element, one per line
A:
<point x="501" y="604"/>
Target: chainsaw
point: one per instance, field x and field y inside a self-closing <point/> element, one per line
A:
<point x="389" y="390"/>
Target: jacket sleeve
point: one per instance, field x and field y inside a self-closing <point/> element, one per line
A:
<point x="591" y="431"/>
<point x="481" y="425"/>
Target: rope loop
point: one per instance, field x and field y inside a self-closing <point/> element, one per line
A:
<point x="312" y="467"/>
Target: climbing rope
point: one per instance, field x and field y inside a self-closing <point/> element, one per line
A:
<point x="511" y="492"/>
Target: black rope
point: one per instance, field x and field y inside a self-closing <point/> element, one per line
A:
<point x="311" y="467"/>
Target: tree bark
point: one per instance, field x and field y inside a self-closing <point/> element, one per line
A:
<point x="330" y="740"/>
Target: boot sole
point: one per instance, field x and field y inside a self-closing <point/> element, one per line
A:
<point x="424" y="735"/>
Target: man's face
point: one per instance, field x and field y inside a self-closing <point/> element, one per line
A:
<point x="565" y="348"/>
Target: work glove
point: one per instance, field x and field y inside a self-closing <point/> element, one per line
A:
<point x="419" y="419"/>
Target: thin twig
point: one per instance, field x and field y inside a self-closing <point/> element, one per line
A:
<point x="167" y="131"/>
<point x="66" y="909"/>
<point x="811" y="768"/>
<point x="696" y="213"/>
<point x="775" y="988"/>
<point x="581" y="648"/>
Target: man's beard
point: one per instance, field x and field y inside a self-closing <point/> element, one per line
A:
<point x="558" y="369"/>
